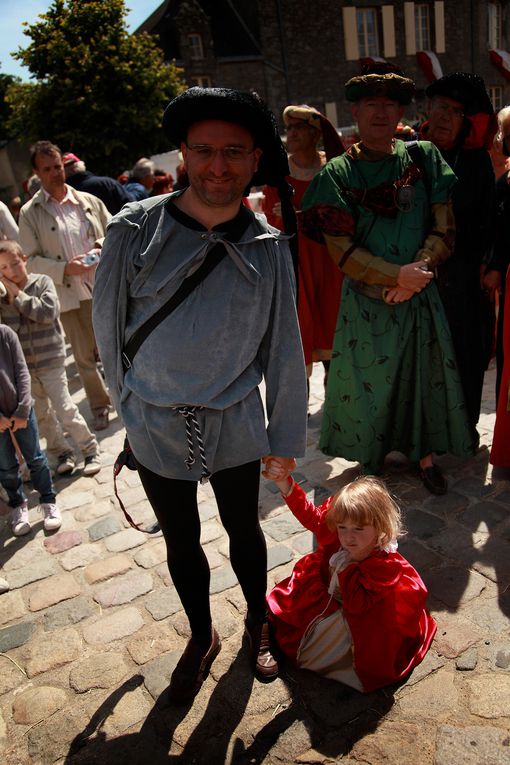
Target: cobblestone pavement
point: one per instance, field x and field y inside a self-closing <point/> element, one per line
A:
<point x="92" y="628"/>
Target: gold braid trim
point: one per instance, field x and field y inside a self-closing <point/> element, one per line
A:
<point x="359" y="263"/>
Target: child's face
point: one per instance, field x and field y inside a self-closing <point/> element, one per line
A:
<point x="13" y="267"/>
<point x="359" y="541"/>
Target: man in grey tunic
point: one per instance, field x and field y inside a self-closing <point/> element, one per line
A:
<point x="190" y="400"/>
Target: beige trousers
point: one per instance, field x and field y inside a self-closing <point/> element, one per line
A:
<point x="77" y="325"/>
<point x="56" y="411"/>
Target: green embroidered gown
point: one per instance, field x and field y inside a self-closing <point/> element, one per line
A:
<point x="393" y="383"/>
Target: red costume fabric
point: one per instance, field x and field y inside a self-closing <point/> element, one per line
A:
<point x="320" y="282"/>
<point x="500" y="452"/>
<point x="383" y="601"/>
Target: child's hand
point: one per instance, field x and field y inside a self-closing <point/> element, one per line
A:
<point x="18" y="423"/>
<point x="274" y="471"/>
<point x="279" y="469"/>
<point x="5" y="424"/>
<point x="11" y="288"/>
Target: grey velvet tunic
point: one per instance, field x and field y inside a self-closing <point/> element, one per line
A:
<point x="238" y="327"/>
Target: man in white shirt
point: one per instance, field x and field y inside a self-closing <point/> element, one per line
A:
<point x="61" y="230"/>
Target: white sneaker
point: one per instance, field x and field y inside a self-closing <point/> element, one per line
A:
<point x="52" y="517"/>
<point x="66" y="464"/>
<point x="92" y="464"/>
<point x="19" y="520"/>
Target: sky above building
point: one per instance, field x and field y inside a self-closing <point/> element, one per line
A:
<point x="14" y="12"/>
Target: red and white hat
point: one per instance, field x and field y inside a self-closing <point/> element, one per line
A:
<point x="70" y="159"/>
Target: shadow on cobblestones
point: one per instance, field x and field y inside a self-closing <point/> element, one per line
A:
<point x="329" y="716"/>
<point x="210" y="735"/>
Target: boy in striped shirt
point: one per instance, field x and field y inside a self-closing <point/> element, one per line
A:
<point x="31" y="309"/>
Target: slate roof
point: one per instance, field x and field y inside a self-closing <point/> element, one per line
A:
<point x="234" y="27"/>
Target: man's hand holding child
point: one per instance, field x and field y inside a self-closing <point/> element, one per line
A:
<point x="279" y="470"/>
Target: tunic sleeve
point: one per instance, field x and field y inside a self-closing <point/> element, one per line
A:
<point x="329" y="216"/>
<point x="438" y="245"/>
<point x="327" y="192"/>
<point x="109" y="308"/>
<point x="442" y="179"/>
<point x="282" y="360"/>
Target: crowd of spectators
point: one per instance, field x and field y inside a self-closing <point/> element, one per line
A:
<point x="401" y="255"/>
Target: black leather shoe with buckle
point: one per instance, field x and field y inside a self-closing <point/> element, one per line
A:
<point x="264" y="663"/>
<point x="191" y="670"/>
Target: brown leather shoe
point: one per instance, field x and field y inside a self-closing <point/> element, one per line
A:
<point x="191" y="670"/>
<point x="264" y="664"/>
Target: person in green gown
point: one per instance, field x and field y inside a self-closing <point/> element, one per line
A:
<point x="383" y="210"/>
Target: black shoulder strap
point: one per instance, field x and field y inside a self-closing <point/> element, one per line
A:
<point x="415" y="152"/>
<point x="214" y="256"/>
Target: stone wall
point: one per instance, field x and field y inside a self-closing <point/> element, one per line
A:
<point x="302" y="50"/>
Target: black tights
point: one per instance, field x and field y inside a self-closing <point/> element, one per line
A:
<point x="175" y="505"/>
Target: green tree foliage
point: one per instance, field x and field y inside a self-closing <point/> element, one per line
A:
<point x="6" y="81"/>
<point x="99" y="91"/>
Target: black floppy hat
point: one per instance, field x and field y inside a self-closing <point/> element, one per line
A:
<point x="240" y="107"/>
<point x="249" y="111"/>
<point x="466" y="88"/>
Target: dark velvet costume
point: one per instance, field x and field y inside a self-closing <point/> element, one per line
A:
<point x="469" y="311"/>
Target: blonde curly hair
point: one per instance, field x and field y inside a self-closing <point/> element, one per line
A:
<point x="367" y="502"/>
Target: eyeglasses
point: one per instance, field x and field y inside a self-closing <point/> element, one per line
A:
<point x="230" y="154"/>
<point x="297" y="126"/>
<point x="446" y="109"/>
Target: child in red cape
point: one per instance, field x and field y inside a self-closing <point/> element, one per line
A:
<point x="354" y="609"/>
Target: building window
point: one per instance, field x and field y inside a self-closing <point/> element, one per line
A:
<point x="368" y="38"/>
<point x="422" y="26"/>
<point x="196" y="49"/>
<point x="496" y="96"/>
<point x="494" y="27"/>
<point x="201" y="81"/>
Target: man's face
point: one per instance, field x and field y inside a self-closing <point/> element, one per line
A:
<point x="50" y="169"/>
<point x="446" y="118"/>
<point x="377" y="119"/>
<point x="301" y="136"/>
<point x="220" y="159"/>
<point x="148" y="181"/>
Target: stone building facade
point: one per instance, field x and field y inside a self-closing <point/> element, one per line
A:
<point x="297" y="51"/>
